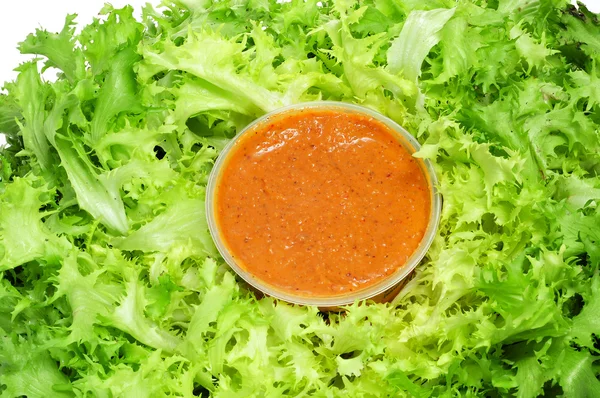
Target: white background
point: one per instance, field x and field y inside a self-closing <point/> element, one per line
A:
<point x="18" y="18"/>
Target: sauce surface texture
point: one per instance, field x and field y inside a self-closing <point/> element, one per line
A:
<point x="321" y="202"/>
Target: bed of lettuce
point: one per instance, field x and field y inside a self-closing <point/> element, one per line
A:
<point x="110" y="285"/>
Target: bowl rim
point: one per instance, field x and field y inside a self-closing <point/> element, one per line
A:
<point x="382" y="286"/>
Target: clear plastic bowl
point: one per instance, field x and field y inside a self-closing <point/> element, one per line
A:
<point x="382" y="291"/>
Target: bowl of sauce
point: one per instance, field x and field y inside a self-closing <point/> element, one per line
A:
<point x="323" y="204"/>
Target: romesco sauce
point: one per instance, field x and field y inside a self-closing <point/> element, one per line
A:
<point x="320" y="202"/>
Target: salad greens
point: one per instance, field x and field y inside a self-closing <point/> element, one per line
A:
<point x="110" y="284"/>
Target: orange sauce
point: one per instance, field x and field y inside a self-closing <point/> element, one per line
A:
<point x="320" y="202"/>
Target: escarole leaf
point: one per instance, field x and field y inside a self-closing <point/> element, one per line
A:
<point x="181" y="224"/>
<point x="118" y="93"/>
<point x="103" y="203"/>
<point x="58" y="48"/>
<point x="29" y="87"/>
<point x="215" y="60"/>
<point x="24" y="237"/>
<point x="27" y="370"/>
<point x="420" y="32"/>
